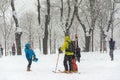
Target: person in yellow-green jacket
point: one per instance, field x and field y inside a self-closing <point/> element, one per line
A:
<point x="68" y="55"/>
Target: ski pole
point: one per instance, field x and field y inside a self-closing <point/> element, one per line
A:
<point x="57" y="62"/>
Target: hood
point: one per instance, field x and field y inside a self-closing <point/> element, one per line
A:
<point x="67" y="38"/>
<point x="111" y="39"/>
<point x="27" y="46"/>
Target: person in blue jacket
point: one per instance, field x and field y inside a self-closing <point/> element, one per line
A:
<point x="29" y="53"/>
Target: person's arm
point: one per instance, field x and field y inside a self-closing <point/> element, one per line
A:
<point x="33" y="53"/>
<point x="64" y="46"/>
<point x="27" y="54"/>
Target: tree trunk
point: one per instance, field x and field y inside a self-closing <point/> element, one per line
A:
<point x="67" y="33"/>
<point x="92" y="42"/>
<point x="86" y="33"/>
<point x="5" y="34"/>
<point x="17" y="34"/>
<point x="47" y="21"/>
<point x="68" y="22"/>
<point x="38" y="9"/>
<point x="45" y="39"/>
<point x="101" y="42"/>
<point x="68" y="15"/>
<point x="39" y="20"/>
<point x="61" y="10"/>
<point x="39" y="43"/>
<point x="111" y="21"/>
<point x="50" y="43"/>
<point x="18" y="43"/>
<point x="102" y="39"/>
<point x="104" y="42"/>
<point x="92" y="13"/>
<point x="87" y="37"/>
<point x="54" y="50"/>
<point x="87" y="43"/>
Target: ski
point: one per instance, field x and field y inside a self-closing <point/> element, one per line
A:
<point x="69" y="72"/>
<point x="64" y="72"/>
<point x="54" y="71"/>
<point x="60" y="71"/>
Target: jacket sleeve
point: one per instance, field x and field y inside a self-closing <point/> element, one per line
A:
<point x="27" y="54"/>
<point x="33" y="53"/>
<point x="64" y="46"/>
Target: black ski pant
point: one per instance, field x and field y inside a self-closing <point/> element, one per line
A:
<point x="29" y="63"/>
<point x="111" y="54"/>
<point x="67" y="62"/>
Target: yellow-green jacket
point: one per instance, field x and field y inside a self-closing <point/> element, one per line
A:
<point x="65" y="46"/>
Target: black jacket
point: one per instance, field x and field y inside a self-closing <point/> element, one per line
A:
<point x="112" y="44"/>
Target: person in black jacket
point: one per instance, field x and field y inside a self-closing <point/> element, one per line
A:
<point x="111" y="46"/>
<point x="1" y="51"/>
<point x="13" y="49"/>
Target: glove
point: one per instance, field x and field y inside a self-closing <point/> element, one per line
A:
<point x="33" y="57"/>
<point x="59" y="51"/>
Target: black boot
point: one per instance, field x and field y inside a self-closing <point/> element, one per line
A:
<point x="28" y="69"/>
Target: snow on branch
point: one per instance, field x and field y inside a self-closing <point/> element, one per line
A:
<point x="18" y="30"/>
<point x="87" y="33"/>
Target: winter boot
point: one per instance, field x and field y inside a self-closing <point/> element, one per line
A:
<point x="28" y="69"/>
<point x="65" y="71"/>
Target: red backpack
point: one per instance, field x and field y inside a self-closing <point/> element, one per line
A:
<point x="74" y="65"/>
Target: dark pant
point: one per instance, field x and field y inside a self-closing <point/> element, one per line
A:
<point x="67" y="62"/>
<point x="111" y="54"/>
<point x="13" y="53"/>
<point x="29" y="63"/>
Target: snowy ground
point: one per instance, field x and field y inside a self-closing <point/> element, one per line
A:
<point x="93" y="66"/>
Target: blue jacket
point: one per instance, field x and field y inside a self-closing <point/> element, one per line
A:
<point x="29" y="53"/>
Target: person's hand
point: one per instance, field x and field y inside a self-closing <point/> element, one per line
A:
<point x="59" y="51"/>
<point x="34" y="57"/>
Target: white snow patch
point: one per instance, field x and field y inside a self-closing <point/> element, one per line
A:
<point x="93" y="66"/>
